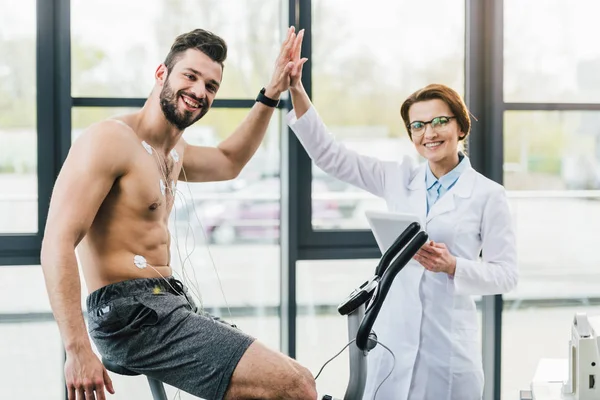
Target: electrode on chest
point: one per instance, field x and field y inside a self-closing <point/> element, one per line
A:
<point x="175" y="155"/>
<point x="147" y="147"/>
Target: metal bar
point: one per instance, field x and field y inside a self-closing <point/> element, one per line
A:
<point x="494" y="153"/>
<point x="46" y="107"/>
<point x="552" y="106"/>
<point x="139" y="102"/>
<point x="553" y="194"/>
<point x="314" y="309"/>
<point x="289" y="221"/>
<point x="20" y="249"/>
<point x="475" y="79"/>
<point x="108" y="102"/>
<point x="20" y="258"/>
<point x="360" y="238"/>
<point x="24" y="318"/>
<point x="491" y="307"/>
<point x="339" y="253"/>
<point x="295" y="192"/>
<point x="304" y="163"/>
<point x="62" y="45"/>
<point x="244" y="197"/>
<point x="18" y="243"/>
<point x="484" y="97"/>
<point x="357" y="358"/>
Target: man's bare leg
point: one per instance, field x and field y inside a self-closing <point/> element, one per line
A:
<point x="265" y="374"/>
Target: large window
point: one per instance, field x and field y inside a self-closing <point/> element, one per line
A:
<point x="18" y="136"/>
<point x="361" y="77"/>
<point x="552" y="151"/>
<point x="120" y="62"/>
<point x="550" y="51"/>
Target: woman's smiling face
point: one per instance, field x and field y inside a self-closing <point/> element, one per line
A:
<point x="435" y="138"/>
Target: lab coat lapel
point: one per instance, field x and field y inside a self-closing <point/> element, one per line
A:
<point x="463" y="188"/>
<point x="418" y="197"/>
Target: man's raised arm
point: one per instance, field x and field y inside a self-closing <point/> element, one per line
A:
<point x="226" y="161"/>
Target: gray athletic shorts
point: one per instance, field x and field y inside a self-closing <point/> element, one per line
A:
<point x="153" y="327"/>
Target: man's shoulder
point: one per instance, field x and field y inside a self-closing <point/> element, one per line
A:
<point x="109" y="129"/>
<point x="108" y="134"/>
<point x="105" y="144"/>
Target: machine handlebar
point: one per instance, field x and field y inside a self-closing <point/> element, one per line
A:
<point x="389" y="273"/>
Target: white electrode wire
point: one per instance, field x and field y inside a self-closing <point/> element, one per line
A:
<point x="169" y="188"/>
<point x="348" y="344"/>
<point x="194" y="286"/>
<point x="177" y="394"/>
<point x="188" y="230"/>
<point x="208" y="247"/>
<point x="189" y="254"/>
<point x="392" y="370"/>
<point x="333" y="358"/>
<point x="201" y="226"/>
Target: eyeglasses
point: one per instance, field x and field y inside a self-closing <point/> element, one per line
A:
<point x="417" y="128"/>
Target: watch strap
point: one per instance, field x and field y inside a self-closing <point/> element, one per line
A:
<point x="267" y="101"/>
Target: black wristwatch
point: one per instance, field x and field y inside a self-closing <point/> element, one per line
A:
<point x="267" y="101"/>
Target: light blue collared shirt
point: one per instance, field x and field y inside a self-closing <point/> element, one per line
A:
<point x="436" y="188"/>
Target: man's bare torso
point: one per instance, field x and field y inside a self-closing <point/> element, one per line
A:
<point x="131" y="225"/>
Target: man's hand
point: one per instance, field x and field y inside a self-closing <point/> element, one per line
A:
<point x="435" y="257"/>
<point x="280" y="82"/>
<point x="86" y="377"/>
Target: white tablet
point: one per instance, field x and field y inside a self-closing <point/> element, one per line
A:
<point x="387" y="226"/>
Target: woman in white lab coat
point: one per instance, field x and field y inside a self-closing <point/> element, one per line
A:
<point x="429" y="319"/>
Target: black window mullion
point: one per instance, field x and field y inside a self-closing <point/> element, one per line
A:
<point x="19" y="249"/>
<point x="139" y="102"/>
<point x="484" y="96"/>
<point x="551" y="106"/>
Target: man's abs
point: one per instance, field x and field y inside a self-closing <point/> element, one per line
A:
<point x="132" y="251"/>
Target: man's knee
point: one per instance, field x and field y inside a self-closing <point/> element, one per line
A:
<point x="267" y="374"/>
<point x="301" y="385"/>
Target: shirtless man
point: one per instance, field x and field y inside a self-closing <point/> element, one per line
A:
<point x="112" y="200"/>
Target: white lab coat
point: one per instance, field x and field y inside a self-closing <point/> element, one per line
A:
<point x="428" y="320"/>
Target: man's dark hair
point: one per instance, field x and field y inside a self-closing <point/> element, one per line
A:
<point x="199" y="39"/>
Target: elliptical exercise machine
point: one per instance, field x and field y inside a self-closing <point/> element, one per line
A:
<point x="361" y="316"/>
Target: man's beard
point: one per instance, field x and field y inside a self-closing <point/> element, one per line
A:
<point x="169" y="102"/>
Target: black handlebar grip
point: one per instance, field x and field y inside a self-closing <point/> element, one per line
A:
<point x="383" y="288"/>
<point x="396" y="247"/>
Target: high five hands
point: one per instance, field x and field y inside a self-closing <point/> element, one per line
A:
<point x="288" y="66"/>
<point x="435" y="257"/>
